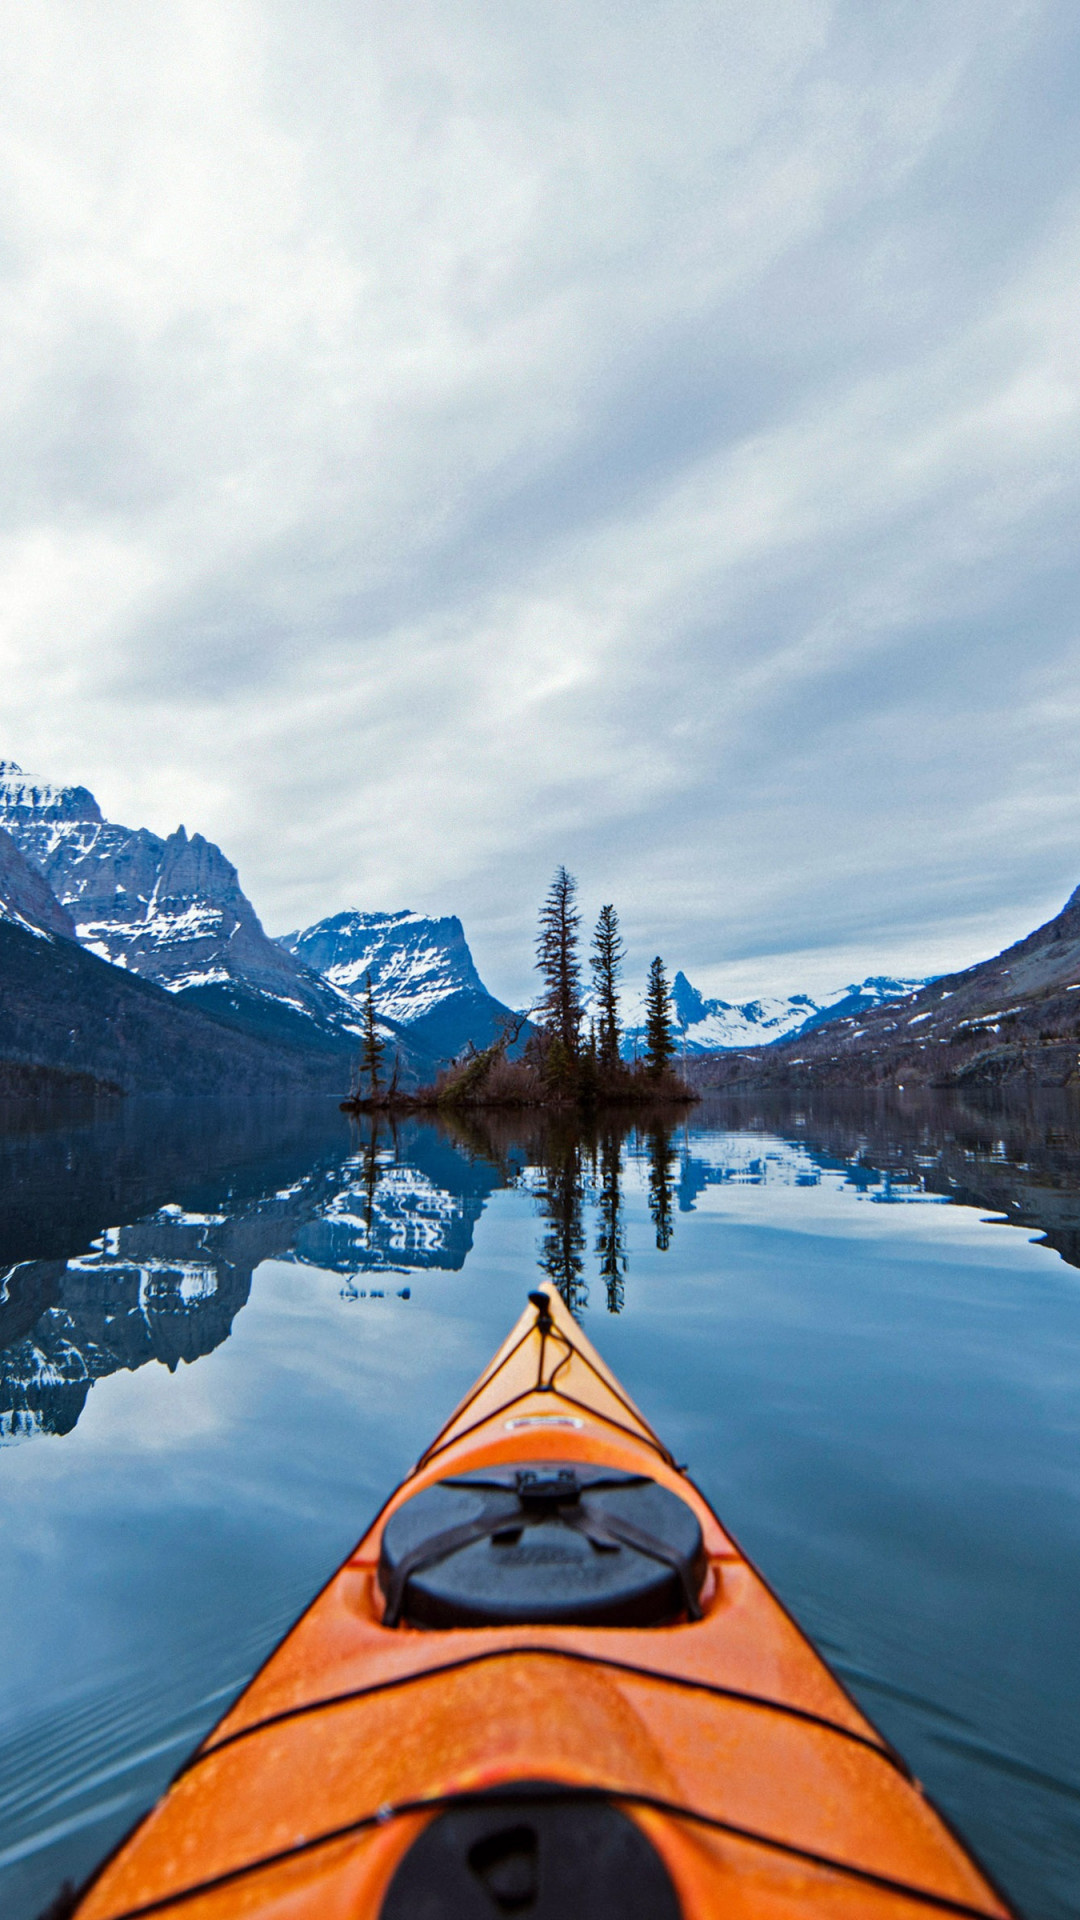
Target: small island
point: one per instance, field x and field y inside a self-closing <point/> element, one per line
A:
<point x="562" y="1052"/>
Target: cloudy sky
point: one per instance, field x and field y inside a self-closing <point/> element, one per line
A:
<point x="444" y="439"/>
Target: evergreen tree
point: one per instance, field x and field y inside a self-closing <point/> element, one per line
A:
<point x="559" y="967"/>
<point x="605" y="961"/>
<point x="659" y="1026"/>
<point x="587" y="1071"/>
<point x="371" y="1043"/>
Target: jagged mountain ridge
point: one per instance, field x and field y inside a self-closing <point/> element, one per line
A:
<point x="172" y="910"/>
<point x="169" y="909"/>
<point x="1012" y="1019"/>
<point x="712" y="1025"/>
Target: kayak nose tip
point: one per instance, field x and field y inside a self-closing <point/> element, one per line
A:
<point x="543" y="1311"/>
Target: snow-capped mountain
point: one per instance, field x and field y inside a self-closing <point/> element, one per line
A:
<point x="413" y="962"/>
<point x="171" y="910"/>
<point x="422" y="973"/>
<point x="709" y="1026"/>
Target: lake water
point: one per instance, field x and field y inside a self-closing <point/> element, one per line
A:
<point x="226" y="1335"/>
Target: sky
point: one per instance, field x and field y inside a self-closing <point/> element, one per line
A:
<point x="444" y="441"/>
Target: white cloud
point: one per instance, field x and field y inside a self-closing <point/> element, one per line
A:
<point x="447" y="442"/>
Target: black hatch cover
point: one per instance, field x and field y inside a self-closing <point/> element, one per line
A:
<point x="546" y="1859"/>
<point x="553" y="1542"/>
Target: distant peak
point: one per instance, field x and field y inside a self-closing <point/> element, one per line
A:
<point x="24" y="800"/>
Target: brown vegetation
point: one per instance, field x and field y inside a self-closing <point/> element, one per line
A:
<point x="491" y="1079"/>
<point x="558" y="1066"/>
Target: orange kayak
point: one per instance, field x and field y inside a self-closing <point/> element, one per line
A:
<point x="547" y="1682"/>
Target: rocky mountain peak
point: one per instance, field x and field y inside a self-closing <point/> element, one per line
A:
<point x="172" y="909"/>
<point x="712" y="1025"/>
<point x="34" y="800"/>
<point x="687" y="1001"/>
<point x="414" y="961"/>
<point x="423" y="976"/>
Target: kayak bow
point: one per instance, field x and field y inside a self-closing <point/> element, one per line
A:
<point x="547" y="1682"/>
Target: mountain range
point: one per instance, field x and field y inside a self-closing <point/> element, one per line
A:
<point x="136" y="962"/>
<point x="108" y="931"/>
<point x="1010" y="1021"/>
<point x="708" y="1026"/>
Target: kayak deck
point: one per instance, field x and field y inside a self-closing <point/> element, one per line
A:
<point x="723" y="1740"/>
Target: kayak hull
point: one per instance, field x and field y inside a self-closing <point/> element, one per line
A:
<point x="762" y="1787"/>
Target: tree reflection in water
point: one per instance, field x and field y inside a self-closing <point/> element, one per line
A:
<point x="611" y="1237"/>
<point x="571" y="1165"/>
<point x="582" y="1165"/>
<point x="369" y="1169"/>
<point x="663" y="1162"/>
<point x="561" y="1193"/>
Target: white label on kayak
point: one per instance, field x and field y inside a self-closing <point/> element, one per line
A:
<point x="542" y="1420"/>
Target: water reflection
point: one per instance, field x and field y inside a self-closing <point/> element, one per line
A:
<point x="156" y="1224"/>
<point x="876" y="1390"/>
<point x="662" y="1164"/>
<point x="560" y="1190"/>
<point x="232" y="1190"/>
<point x="611" y="1231"/>
<point x="576" y="1171"/>
<point x="1018" y="1159"/>
<point x="137" y="1241"/>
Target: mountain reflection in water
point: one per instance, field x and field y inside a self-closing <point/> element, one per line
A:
<point x="233" y="1189"/>
<point x="875" y="1389"/>
<point x="137" y="1240"/>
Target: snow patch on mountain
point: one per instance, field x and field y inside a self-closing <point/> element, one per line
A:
<point x="171" y="909"/>
<point x="423" y="977"/>
<point x="709" y="1026"/>
<point x="414" y="962"/>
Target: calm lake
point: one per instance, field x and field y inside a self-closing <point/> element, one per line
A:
<point x="226" y="1335"/>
